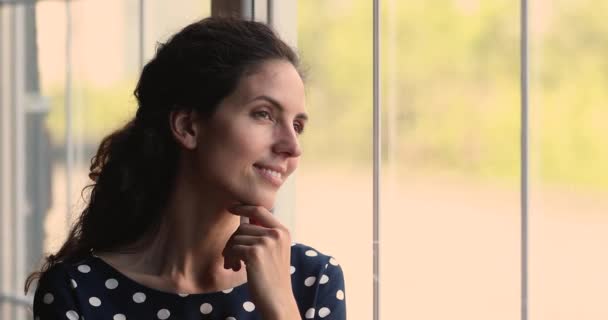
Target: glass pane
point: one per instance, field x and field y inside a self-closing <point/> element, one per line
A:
<point x="164" y="18"/>
<point x="569" y="175"/>
<point x="333" y="184"/>
<point x="105" y="67"/>
<point x="450" y="181"/>
<point x="42" y="119"/>
<point x="51" y="24"/>
<point x="17" y="94"/>
<point x="103" y="73"/>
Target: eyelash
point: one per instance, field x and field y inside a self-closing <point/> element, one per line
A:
<point x="266" y="115"/>
<point x="263" y="114"/>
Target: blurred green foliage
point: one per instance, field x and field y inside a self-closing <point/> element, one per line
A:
<point x="96" y="111"/>
<point x="450" y="88"/>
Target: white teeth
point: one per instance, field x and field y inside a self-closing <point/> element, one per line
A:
<point x="271" y="172"/>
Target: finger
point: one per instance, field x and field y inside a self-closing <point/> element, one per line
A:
<point x="247" y="240"/>
<point x="236" y="265"/>
<point x="242" y="252"/>
<point x="259" y="214"/>
<point x="232" y="261"/>
<point x="251" y="230"/>
<point x="229" y="261"/>
<point x="262" y="232"/>
<point x="254" y="222"/>
<point x="240" y="240"/>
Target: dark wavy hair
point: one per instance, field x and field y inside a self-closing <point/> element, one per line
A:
<point x="135" y="166"/>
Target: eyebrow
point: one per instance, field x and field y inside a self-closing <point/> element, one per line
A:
<point x="275" y="103"/>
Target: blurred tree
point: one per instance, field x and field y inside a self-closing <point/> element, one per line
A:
<point x="457" y="86"/>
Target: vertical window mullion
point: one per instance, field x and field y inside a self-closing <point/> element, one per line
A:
<point x="376" y="160"/>
<point x="524" y="158"/>
<point x="141" y="35"/>
<point x="69" y="143"/>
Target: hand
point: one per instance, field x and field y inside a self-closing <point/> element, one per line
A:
<point x="265" y="248"/>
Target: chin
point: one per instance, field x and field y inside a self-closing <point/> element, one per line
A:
<point x="265" y="200"/>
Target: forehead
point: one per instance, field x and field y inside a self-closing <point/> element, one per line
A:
<point x="277" y="79"/>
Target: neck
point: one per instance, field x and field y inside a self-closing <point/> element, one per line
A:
<point x="187" y="251"/>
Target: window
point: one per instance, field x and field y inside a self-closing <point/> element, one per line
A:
<point x="453" y="197"/>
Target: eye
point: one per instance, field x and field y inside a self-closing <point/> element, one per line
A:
<point x="262" y="115"/>
<point x="299" y="127"/>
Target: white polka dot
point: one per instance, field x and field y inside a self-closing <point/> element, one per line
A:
<point x="139" y="297"/>
<point x="324" y="312"/>
<point x="292" y="269"/>
<point x="119" y="316"/>
<point x="227" y="290"/>
<point x="340" y="295"/>
<point x="94" y="301"/>
<point x="84" y="268"/>
<point x="310" y="313"/>
<point x="324" y="279"/>
<point x="72" y="315"/>
<point x="206" y="308"/>
<point x="73" y="283"/>
<point x="311" y="253"/>
<point x="231" y="318"/>
<point x="293" y="244"/>
<point x="333" y="261"/>
<point x="326" y="266"/>
<point x="163" y="314"/>
<point x="111" y="283"/>
<point x="248" y="306"/>
<point x="183" y="295"/>
<point x="48" y="298"/>
<point x="310" y="281"/>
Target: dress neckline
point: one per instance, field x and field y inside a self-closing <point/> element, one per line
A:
<point x="113" y="271"/>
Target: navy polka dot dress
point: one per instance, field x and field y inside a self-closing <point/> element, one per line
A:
<point x="92" y="289"/>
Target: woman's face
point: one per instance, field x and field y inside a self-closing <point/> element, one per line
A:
<point x="251" y="143"/>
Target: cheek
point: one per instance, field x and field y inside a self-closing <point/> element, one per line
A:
<point x="236" y="147"/>
<point x="293" y="164"/>
<point x="245" y="150"/>
<point x="251" y="141"/>
<point x="240" y="149"/>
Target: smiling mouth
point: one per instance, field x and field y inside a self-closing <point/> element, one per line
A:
<point x="274" y="177"/>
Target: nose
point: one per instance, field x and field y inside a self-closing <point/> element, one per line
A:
<point x="287" y="142"/>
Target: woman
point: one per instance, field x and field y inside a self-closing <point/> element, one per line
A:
<point x="221" y="108"/>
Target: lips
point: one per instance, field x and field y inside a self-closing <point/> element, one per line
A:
<point x="278" y="169"/>
<point x="272" y="175"/>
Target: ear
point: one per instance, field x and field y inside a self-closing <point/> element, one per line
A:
<point x="185" y="128"/>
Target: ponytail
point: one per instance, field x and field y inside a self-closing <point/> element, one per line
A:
<point x="132" y="174"/>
